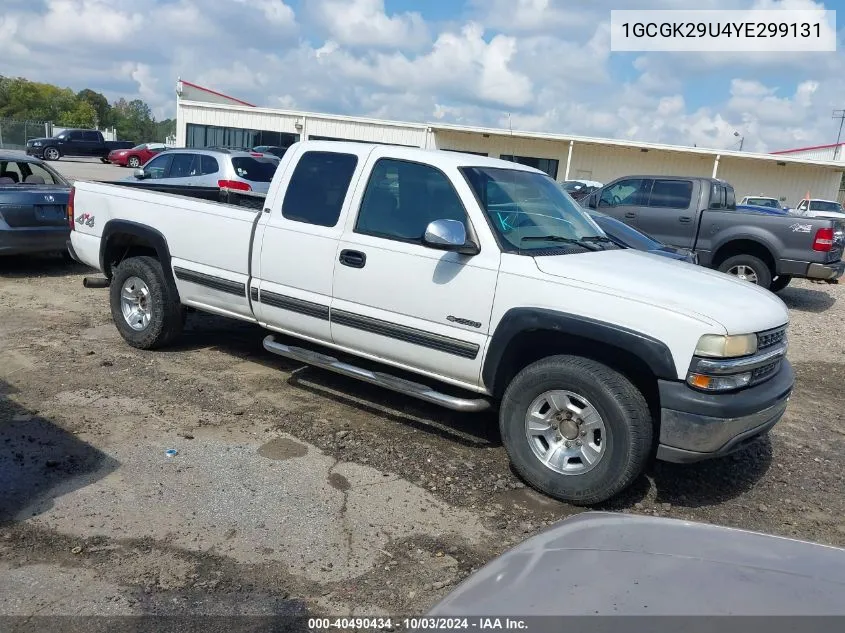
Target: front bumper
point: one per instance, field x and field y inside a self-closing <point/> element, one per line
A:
<point x="695" y="426"/>
<point x="38" y="152"/>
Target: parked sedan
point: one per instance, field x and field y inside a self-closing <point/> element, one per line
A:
<point x="136" y="156"/>
<point x="273" y="150"/>
<point x="629" y="237"/>
<point x="33" y="206"/>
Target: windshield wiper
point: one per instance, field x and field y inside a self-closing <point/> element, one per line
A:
<point x="583" y="243"/>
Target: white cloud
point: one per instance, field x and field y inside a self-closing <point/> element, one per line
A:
<point x="364" y="23"/>
<point x="546" y="62"/>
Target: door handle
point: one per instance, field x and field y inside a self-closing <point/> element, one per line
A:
<point x="353" y="259"/>
<point x="684" y="218"/>
<point x="630" y="215"/>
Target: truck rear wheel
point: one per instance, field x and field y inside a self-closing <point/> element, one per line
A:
<point x="748" y="268"/>
<point x="145" y="304"/>
<point x="575" y="429"/>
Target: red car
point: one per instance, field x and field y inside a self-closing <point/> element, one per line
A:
<point x="136" y="156"/>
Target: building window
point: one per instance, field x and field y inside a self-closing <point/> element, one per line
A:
<point x="314" y="137"/>
<point x="464" y="151"/>
<point x="235" y="138"/>
<point x="548" y="165"/>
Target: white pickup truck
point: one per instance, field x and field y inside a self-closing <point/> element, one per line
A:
<point x="465" y="281"/>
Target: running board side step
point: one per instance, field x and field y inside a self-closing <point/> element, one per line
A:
<point x="394" y="383"/>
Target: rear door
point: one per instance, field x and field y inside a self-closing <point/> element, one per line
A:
<point x="670" y="215"/>
<point x="625" y="199"/>
<point x="92" y="144"/>
<point x="297" y="244"/>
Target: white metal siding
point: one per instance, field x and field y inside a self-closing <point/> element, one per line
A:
<point x="753" y="178"/>
<point x="820" y="153"/>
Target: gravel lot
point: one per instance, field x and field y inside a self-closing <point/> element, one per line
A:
<point x="294" y="489"/>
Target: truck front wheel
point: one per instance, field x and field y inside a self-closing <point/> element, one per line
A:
<point x="145" y="304"/>
<point x="575" y="429"/>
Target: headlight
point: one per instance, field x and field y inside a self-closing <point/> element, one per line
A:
<point x="719" y="346"/>
<point x="718" y="383"/>
<point x="37" y="144"/>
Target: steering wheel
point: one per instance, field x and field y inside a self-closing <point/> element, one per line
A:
<point x="615" y="200"/>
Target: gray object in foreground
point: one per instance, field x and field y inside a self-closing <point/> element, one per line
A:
<point x="623" y="564"/>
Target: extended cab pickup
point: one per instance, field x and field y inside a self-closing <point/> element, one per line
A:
<point x="74" y="143"/>
<point x="464" y="281"/>
<point x="701" y="214"/>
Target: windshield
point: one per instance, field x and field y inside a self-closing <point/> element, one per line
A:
<point x="824" y="205"/>
<point x="763" y="202"/>
<point x="524" y="207"/>
<point x="140" y="147"/>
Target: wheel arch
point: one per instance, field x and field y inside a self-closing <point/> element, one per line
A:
<point x="525" y="335"/>
<point x="123" y="238"/>
<point x="746" y="246"/>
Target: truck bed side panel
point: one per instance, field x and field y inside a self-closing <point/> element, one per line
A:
<point x="208" y="241"/>
<point x="788" y="239"/>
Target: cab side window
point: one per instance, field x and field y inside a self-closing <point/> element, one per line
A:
<point x="318" y="187"/>
<point x="403" y="197"/>
<point x="632" y="192"/>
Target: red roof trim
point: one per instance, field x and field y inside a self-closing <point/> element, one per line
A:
<point x="218" y="94"/>
<point x="806" y="149"/>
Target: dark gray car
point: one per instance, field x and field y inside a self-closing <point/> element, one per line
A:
<point x="33" y="206"/>
<point x="700" y="214"/>
<point x="601" y="563"/>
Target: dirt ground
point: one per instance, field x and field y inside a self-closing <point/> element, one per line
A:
<point x="297" y="491"/>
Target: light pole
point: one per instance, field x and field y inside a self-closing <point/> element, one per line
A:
<point x="741" y="139"/>
<point x="838" y="114"/>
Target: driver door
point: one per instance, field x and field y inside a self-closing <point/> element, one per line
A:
<point x="625" y="199"/>
<point x="409" y="304"/>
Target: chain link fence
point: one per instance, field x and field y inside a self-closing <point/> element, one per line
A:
<point x="14" y="134"/>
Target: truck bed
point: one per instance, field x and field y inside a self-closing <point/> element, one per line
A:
<point x="192" y="218"/>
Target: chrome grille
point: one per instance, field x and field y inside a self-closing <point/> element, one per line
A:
<point x="764" y="373"/>
<point x="770" y="338"/>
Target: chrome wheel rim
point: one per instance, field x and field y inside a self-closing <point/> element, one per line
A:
<point x="52" y="154"/>
<point x="746" y="273"/>
<point x="135" y="303"/>
<point x="565" y="432"/>
<point x="133" y="162"/>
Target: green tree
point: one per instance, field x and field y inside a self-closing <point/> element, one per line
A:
<point x="99" y="103"/>
<point x="134" y="120"/>
<point x="83" y="115"/>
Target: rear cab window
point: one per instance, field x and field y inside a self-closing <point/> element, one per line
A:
<point x="318" y="187"/>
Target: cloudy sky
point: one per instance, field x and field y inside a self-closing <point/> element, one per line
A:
<point x="546" y="62"/>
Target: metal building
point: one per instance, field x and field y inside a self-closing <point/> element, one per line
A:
<point x="206" y="118"/>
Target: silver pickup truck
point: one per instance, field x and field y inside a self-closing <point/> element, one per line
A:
<point x="700" y="214"/>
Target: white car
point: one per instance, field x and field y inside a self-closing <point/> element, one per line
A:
<point x="483" y="279"/>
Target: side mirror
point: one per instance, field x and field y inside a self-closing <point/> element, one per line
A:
<point x="593" y="200"/>
<point x="140" y="174"/>
<point x="449" y="235"/>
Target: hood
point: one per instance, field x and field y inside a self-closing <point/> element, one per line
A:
<point x="739" y="306"/>
<point x="41" y="139"/>
<point x="636" y="565"/>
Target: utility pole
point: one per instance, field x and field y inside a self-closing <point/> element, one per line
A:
<point x="838" y="114"/>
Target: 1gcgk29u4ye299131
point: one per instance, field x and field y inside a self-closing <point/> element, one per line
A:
<point x="464" y="281"/>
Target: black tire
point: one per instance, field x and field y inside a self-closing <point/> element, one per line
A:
<point x="780" y="282"/>
<point x="51" y="153"/>
<point x="133" y="162"/>
<point x="626" y="415"/>
<point x="760" y="268"/>
<point x="105" y="161"/>
<point x="166" y="313"/>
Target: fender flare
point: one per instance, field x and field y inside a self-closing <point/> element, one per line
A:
<point x="654" y="353"/>
<point x="149" y="234"/>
